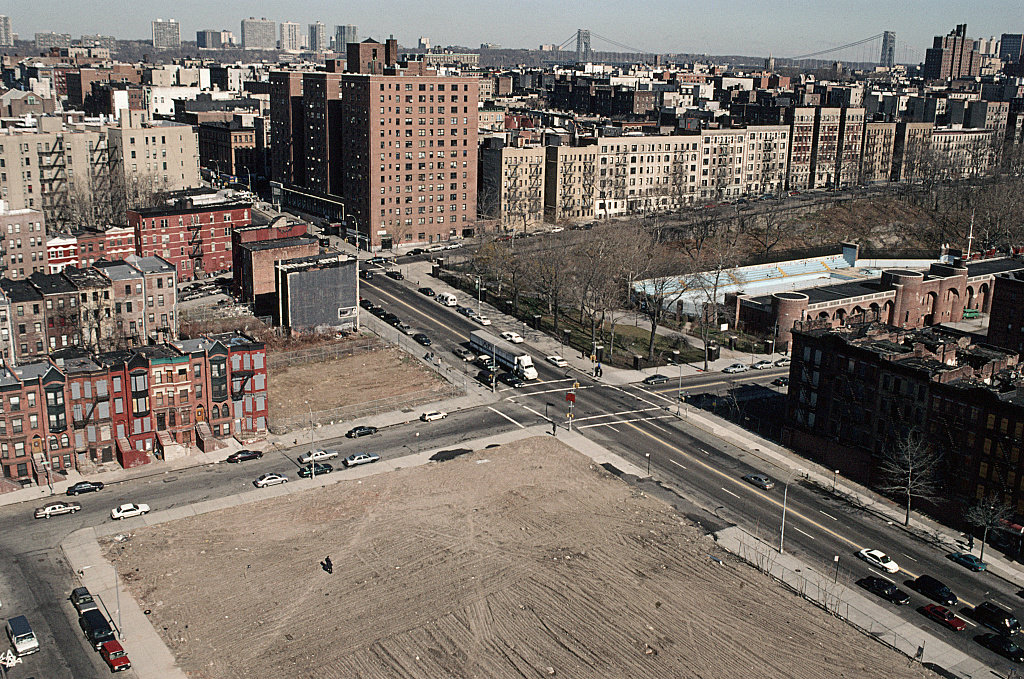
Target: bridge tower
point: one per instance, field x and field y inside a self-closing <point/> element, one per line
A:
<point x="583" y="53"/>
<point x="888" y="57"/>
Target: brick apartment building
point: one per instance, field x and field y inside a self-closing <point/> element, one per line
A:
<point x="84" y="247"/>
<point x="22" y="242"/>
<point x="856" y="392"/>
<point x="131" y="406"/>
<point x="233" y="147"/>
<point x="193" y="233"/>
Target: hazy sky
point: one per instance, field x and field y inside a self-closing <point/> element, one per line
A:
<point x="750" y="27"/>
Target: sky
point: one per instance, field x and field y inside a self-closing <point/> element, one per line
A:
<point x="747" y="27"/>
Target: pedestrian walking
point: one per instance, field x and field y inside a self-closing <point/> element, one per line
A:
<point x="328" y="566"/>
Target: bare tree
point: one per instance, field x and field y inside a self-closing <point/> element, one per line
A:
<point x="765" y="229"/>
<point x="710" y="273"/>
<point x="660" y="293"/>
<point x="909" y="470"/>
<point x="550" y="272"/>
<point x="988" y="514"/>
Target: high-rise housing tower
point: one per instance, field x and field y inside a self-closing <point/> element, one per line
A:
<point x="6" y="34"/>
<point x="258" y="34"/>
<point x="343" y="35"/>
<point x="1011" y="47"/>
<point x="166" y="34"/>
<point x="291" y="36"/>
<point x="952" y="56"/>
<point x="888" y="56"/>
<point x="317" y="37"/>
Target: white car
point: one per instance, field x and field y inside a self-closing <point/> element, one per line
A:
<point x="762" y="365"/>
<point x="482" y="320"/>
<point x="271" y="479"/>
<point x="557" y="361"/>
<point x="360" y="458"/>
<point x="317" y="456"/>
<point x="128" y="511"/>
<point x="513" y="337"/>
<point x="879" y="560"/>
<point x="736" y="368"/>
<point x="433" y="415"/>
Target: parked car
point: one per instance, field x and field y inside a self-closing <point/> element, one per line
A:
<point x="736" y="368"/>
<point x="482" y="320"/>
<point x="367" y="304"/>
<point x="81" y="598"/>
<point x="781" y="381"/>
<point x="513" y="337"/>
<point x="487" y="377"/>
<point x="968" y="561"/>
<point x="366" y="275"/>
<point x="557" y="361"/>
<point x="433" y="415"/>
<point x="391" y="318"/>
<point x="315" y="469"/>
<point x="395" y="273"/>
<point x="244" y="455"/>
<point x="466" y="311"/>
<point x="944" y="617"/>
<point x="404" y="328"/>
<point x="1002" y="645"/>
<point x="512" y="380"/>
<point x="429" y="292"/>
<point x="127" y="511"/>
<point x="317" y="456"/>
<point x="995" y="617"/>
<point x="759" y="480"/>
<point x="415" y="251"/>
<point x="885" y="589"/>
<point x="85" y="487"/>
<point x="422" y="339"/>
<point x="360" y="458"/>
<point x="879" y="560"/>
<point x="762" y="365"/>
<point x="96" y="628"/>
<point x="56" y="509"/>
<point x="361" y="430"/>
<point x="486" y="362"/>
<point x="269" y="479"/>
<point x="656" y="379"/>
<point x="934" y="590"/>
<point x="782" y="362"/>
<point x="379" y="312"/>
<point x="114" y="655"/>
<point x="464" y="354"/>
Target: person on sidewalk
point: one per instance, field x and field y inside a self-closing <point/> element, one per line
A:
<point x="328" y="566"/>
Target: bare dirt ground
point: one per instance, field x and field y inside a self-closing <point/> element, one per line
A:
<point x="346" y="381"/>
<point x="520" y="561"/>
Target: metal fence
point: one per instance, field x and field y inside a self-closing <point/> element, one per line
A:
<point x="282" y="425"/>
<point x="279" y="360"/>
<point x="826" y="592"/>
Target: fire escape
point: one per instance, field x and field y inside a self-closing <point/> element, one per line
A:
<point x="195" y="242"/>
<point x="53" y="178"/>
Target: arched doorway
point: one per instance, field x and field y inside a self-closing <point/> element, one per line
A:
<point x="200" y="414"/>
<point x="970" y="304"/>
<point x="983" y="299"/>
<point x="931" y="304"/>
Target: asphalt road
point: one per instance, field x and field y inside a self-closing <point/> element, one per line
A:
<point x="634" y="421"/>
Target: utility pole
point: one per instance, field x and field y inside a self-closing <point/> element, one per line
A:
<point x="571" y="398"/>
<point x="782" y="533"/>
<point x="312" y="462"/>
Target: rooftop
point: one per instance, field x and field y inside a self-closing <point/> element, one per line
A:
<point x="117" y="270"/>
<point x="52" y="283"/>
<point x="292" y="242"/>
<point x="984" y="267"/>
<point x="20" y="290"/>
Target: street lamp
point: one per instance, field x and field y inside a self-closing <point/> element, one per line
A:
<point x="312" y="462"/>
<point x="648" y="456"/>
<point x="835" y="580"/>
<point x="679" y="396"/>
<point x="835" y="478"/>
<point x="117" y="598"/>
<point x="785" y="498"/>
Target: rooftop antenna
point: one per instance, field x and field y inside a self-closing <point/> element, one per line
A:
<point x="970" y="238"/>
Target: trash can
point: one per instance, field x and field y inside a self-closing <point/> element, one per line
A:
<point x="714" y="352"/>
<point x="565" y="336"/>
<point x="536" y="321"/>
<point x="637" y="362"/>
<point x="599" y="352"/>
<point x="732" y="342"/>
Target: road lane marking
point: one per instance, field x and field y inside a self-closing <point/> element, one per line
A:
<point x="804" y="532"/>
<point x="828" y="515"/>
<point x="507" y="417"/>
<point x="614" y="422"/>
<point x="622" y="412"/>
<point x="677" y="464"/>
<point x="732" y="493"/>
<point x="909" y="557"/>
<point x="882" y="575"/>
<point x="533" y="411"/>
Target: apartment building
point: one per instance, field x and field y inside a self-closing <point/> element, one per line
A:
<point x="911" y="155"/>
<point x="34" y="436"/>
<point x="62" y="321"/>
<point x="877" y="153"/>
<point x="28" y="322"/>
<point x="570" y="183"/>
<point x="801" y="133"/>
<point x="234" y="147"/>
<point x="317" y="37"/>
<point x="962" y="152"/>
<point x="192" y="234"/>
<point x="287" y="126"/>
<point x="291" y="36"/>
<point x="153" y="156"/>
<point x="166" y="34"/>
<point x="22" y="242"/>
<point x="258" y="34"/>
<point x="512" y="185"/>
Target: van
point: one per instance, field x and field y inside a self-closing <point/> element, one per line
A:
<point x="935" y="590"/>
<point x="996" y="617"/>
<point x="447" y="299"/>
<point x="97" y="629"/>
<point x="21" y="635"/>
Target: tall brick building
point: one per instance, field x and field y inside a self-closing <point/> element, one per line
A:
<point x="952" y="56"/>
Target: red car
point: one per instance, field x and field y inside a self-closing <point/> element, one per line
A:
<point x="113" y="654"/>
<point x="944" y="616"/>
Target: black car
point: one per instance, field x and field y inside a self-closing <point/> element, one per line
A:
<point x="512" y="380"/>
<point x="367" y="304"/>
<point x="415" y="251"/>
<point x="85" y="487"/>
<point x="320" y="468"/>
<point x="1001" y="645"/>
<point x="366" y="275"/>
<point x="243" y="455"/>
<point x="465" y="310"/>
<point x="362" y="430"/>
<point x="395" y="273"/>
<point x="885" y="589"/>
<point x="429" y="292"/>
<point x="781" y="381"/>
<point x="656" y="379"/>
<point x="486" y="376"/>
<point x="378" y="312"/>
<point x="391" y="318"/>
<point x="934" y="590"/>
<point x="422" y="339"/>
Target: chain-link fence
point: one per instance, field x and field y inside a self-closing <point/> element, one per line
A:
<point x="824" y="591"/>
<point x="279" y="360"/>
<point x="281" y="425"/>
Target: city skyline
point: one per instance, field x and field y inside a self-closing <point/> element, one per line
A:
<point x="744" y="28"/>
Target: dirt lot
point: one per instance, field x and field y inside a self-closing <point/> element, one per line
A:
<point x="523" y="561"/>
<point x="346" y="381"/>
